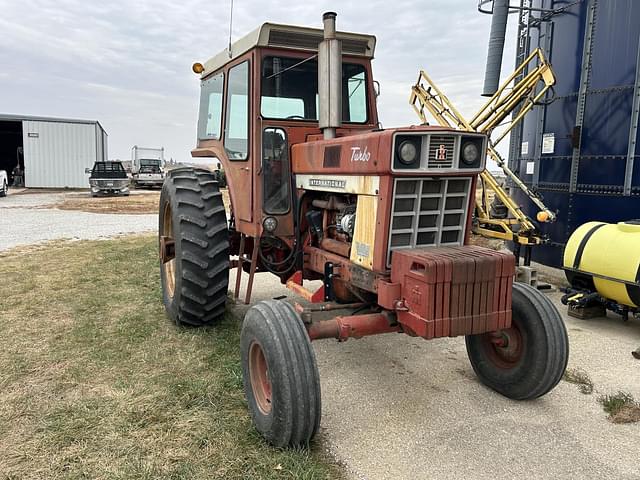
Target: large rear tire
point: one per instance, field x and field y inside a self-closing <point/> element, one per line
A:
<point x="194" y="247"/>
<point x="4" y="189"/>
<point x="527" y="360"/>
<point x="281" y="380"/>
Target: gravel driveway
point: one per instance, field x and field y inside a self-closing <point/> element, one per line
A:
<point x="30" y="218"/>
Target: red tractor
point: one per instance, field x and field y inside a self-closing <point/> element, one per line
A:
<point x="377" y="220"/>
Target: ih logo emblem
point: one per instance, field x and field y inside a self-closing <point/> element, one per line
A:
<point x="441" y="154"/>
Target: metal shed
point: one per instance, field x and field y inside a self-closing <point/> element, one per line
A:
<point x="55" y="151"/>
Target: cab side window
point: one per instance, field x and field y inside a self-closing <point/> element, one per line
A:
<point x="355" y="92"/>
<point x="275" y="167"/>
<point x="236" y="138"/>
<point x="210" y="119"/>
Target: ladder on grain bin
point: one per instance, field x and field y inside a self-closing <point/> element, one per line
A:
<point x="526" y="92"/>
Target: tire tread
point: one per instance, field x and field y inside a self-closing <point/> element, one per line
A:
<point x="535" y="380"/>
<point x="298" y="419"/>
<point x="204" y="279"/>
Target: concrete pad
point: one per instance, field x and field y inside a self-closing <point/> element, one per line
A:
<point x="396" y="407"/>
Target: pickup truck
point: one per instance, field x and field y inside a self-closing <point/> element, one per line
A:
<point x="108" y="178"/>
<point x="4" y="183"/>
<point x="148" y="176"/>
<point x="146" y="166"/>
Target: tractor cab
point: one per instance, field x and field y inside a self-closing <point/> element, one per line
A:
<point x="261" y="97"/>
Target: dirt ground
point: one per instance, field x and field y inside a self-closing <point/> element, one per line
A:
<point x="139" y="202"/>
<point x="492" y="243"/>
<point x="146" y="202"/>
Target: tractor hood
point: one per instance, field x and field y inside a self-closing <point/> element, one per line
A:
<point x="375" y="152"/>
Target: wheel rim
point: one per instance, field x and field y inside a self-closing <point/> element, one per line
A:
<point x="259" y="375"/>
<point x="505" y="348"/>
<point x="168" y="266"/>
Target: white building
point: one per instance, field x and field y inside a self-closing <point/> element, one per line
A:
<point x="56" y="151"/>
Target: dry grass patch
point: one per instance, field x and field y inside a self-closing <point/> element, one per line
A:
<point x="621" y="407"/>
<point x="97" y="383"/>
<point x="580" y="378"/>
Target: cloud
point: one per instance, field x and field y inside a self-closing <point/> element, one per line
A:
<point x="128" y="64"/>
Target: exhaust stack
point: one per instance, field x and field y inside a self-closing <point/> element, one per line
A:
<point x="330" y="78"/>
<point x="496" y="47"/>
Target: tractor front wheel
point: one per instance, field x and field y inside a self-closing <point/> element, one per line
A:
<point x="281" y="380"/>
<point x="528" y="359"/>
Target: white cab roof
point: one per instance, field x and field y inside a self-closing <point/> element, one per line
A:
<point x="292" y="37"/>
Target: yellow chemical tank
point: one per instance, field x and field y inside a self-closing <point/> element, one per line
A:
<point x="606" y="257"/>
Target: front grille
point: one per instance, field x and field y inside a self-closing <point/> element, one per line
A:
<point x="115" y="183"/>
<point x="442" y="151"/>
<point x="428" y="212"/>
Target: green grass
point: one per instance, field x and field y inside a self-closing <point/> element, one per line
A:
<point x="621" y="407"/>
<point x="97" y="383"/>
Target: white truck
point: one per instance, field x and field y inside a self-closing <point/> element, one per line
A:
<point x="4" y="183"/>
<point x="146" y="166"/>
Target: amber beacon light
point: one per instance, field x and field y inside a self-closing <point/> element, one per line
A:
<point x="197" y="68"/>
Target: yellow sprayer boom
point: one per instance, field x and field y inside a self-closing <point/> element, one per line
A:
<point x="536" y="79"/>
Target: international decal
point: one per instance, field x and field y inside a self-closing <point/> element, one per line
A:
<point x="327" y="183"/>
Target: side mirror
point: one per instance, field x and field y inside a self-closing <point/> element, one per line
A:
<point x="87" y="170"/>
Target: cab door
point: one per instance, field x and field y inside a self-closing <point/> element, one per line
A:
<point x="236" y="139"/>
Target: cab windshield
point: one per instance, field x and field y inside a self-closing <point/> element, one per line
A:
<point x="290" y="90"/>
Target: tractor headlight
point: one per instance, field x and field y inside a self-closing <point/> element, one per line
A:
<point x="270" y="224"/>
<point x="407" y="152"/>
<point x="470" y="153"/>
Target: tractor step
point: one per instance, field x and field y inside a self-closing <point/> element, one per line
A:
<point x="243" y="258"/>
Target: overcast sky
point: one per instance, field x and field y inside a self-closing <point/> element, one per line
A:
<point x="128" y="63"/>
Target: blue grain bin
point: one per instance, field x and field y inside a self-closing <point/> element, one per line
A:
<point x="585" y="162"/>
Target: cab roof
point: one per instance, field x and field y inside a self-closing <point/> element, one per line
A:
<point x="291" y="37"/>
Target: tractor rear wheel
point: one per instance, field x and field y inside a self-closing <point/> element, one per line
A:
<point x="194" y="247"/>
<point x="527" y="360"/>
<point x="281" y="380"/>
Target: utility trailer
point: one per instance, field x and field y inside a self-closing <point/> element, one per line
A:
<point x="381" y="218"/>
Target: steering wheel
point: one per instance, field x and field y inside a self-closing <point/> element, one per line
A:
<point x="294" y="117"/>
